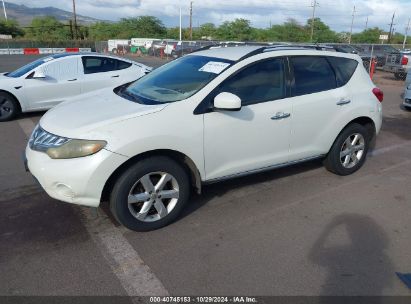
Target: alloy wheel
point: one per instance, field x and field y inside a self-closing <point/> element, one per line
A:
<point x="352" y="150"/>
<point x="153" y="196"/>
<point x="6" y="108"/>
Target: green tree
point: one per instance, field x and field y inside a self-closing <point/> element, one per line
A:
<point x="239" y="29"/>
<point x="103" y="31"/>
<point x="371" y="35"/>
<point x="48" y="29"/>
<point x="322" y="32"/>
<point x="290" y="31"/>
<point x="206" y="31"/>
<point x="10" y="27"/>
<point x="142" y="27"/>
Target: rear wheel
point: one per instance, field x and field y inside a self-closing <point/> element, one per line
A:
<point x="349" y="151"/>
<point x="151" y="194"/>
<point x="9" y="107"/>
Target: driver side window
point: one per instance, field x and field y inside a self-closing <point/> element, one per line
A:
<point x="259" y="82"/>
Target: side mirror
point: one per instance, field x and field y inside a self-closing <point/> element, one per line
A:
<point x="39" y="75"/>
<point x="227" y="101"/>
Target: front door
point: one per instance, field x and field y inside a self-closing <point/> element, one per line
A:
<point x="258" y="135"/>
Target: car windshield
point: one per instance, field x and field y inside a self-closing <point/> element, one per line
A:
<point x="28" y="67"/>
<point x="177" y="80"/>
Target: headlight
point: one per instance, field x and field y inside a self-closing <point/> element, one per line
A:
<point x="76" y="148"/>
<point x="58" y="147"/>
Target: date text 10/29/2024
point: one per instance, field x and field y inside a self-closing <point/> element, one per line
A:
<point x="204" y="299"/>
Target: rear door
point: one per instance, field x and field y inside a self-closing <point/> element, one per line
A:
<point x="320" y="98"/>
<point x="101" y="72"/>
<point x="60" y="83"/>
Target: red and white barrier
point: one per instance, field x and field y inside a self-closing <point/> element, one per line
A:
<point x="37" y="51"/>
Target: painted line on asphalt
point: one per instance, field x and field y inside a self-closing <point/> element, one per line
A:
<point x="134" y="275"/>
<point x="27" y="125"/>
<point x="380" y="151"/>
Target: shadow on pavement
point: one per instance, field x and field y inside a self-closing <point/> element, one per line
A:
<point x="359" y="265"/>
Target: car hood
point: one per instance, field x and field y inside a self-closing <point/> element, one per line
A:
<point x="85" y="113"/>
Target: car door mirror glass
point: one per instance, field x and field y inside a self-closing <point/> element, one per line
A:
<point x="227" y="101"/>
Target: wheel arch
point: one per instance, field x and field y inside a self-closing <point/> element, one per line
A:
<point x="187" y="163"/>
<point x="14" y="96"/>
<point x="366" y="122"/>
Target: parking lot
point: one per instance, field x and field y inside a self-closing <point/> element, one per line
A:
<point x="294" y="231"/>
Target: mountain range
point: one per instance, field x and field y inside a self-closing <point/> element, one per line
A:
<point x="24" y="14"/>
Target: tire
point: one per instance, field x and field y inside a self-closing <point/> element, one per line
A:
<point x="341" y="151"/>
<point x="400" y="75"/>
<point x="174" y="54"/>
<point x="9" y="107"/>
<point x="114" y="51"/>
<point x="139" y="187"/>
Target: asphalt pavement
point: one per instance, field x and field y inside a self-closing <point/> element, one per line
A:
<point x="298" y="231"/>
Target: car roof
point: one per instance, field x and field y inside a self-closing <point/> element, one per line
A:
<point x="63" y="55"/>
<point x="238" y="53"/>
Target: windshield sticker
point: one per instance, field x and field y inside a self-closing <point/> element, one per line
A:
<point x="214" y="67"/>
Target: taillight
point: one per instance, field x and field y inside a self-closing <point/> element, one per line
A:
<point x="404" y="60"/>
<point x="379" y="94"/>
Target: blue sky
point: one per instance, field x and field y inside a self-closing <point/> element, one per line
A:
<point x="336" y="13"/>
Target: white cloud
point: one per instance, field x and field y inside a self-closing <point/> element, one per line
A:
<point x="336" y="13"/>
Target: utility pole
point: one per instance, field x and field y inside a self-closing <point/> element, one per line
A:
<point x="315" y="4"/>
<point x="191" y="20"/>
<point x="180" y="22"/>
<point x="75" y="19"/>
<point x="406" y="33"/>
<point x="366" y="24"/>
<point x="391" y="25"/>
<point x="352" y="23"/>
<point x="4" y="9"/>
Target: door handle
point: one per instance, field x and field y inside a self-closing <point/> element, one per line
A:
<point x="75" y="79"/>
<point x="280" y="115"/>
<point x="115" y="76"/>
<point x="343" y="101"/>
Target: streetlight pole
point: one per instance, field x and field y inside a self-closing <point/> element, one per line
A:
<point x="315" y="4"/>
<point x="406" y="33"/>
<point x="352" y="23"/>
<point x="4" y="9"/>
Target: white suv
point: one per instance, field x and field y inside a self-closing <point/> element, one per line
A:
<point x="206" y="117"/>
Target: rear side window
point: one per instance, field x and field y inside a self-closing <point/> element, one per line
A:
<point x="123" y="65"/>
<point x="344" y="69"/>
<point x="312" y="74"/>
<point x="259" y="82"/>
<point x="98" y="65"/>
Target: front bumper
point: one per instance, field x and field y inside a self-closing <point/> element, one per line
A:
<point x="78" y="180"/>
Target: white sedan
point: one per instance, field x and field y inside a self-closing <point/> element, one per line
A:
<point x="48" y="81"/>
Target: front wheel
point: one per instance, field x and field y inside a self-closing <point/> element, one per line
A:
<point x="9" y="107"/>
<point x="349" y="150"/>
<point x="150" y="194"/>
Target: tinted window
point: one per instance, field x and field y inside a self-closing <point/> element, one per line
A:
<point x="27" y="68"/>
<point x="312" y="74"/>
<point x="344" y="69"/>
<point x="123" y="65"/>
<point x="262" y="81"/>
<point x="98" y="64"/>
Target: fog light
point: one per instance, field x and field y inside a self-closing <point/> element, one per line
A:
<point x="64" y="190"/>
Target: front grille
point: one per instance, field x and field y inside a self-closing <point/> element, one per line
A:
<point x="41" y="140"/>
<point x="408" y="101"/>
